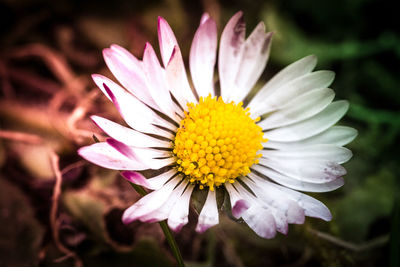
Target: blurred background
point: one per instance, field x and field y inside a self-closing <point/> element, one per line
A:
<point x="58" y="210"/>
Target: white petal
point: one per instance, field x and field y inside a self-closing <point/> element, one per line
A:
<point x="106" y="156"/>
<point x="254" y="58"/>
<point x="230" y="53"/>
<point x="311" y="126"/>
<point x="333" y="153"/>
<point x="313" y="171"/>
<point x="203" y="53"/>
<point x="300" y="108"/>
<point x="154" y="183"/>
<point x="150" y="202"/>
<point x="336" y="135"/>
<point x="265" y="102"/>
<point x="163" y="212"/>
<point x="157" y="82"/>
<point x="180" y="212"/>
<point x="297" y="184"/>
<point x="291" y="72"/>
<point x="128" y="136"/>
<point x="311" y="206"/>
<point x="128" y="71"/>
<point x="209" y="214"/>
<point x="137" y="115"/>
<point x="238" y="203"/>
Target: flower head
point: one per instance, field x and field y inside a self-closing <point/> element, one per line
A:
<point x="281" y="140"/>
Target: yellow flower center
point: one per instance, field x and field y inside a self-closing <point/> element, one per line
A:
<point x="217" y="142"/>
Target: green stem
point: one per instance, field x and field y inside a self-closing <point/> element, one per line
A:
<point x="172" y="243"/>
<point x="167" y="232"/>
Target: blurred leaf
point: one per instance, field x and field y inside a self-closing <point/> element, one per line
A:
<point x="20" y="233"/>
<point x="291" y="43"/>
<point x="87" y="210"/>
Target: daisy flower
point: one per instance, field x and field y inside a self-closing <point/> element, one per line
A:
<point x="261" y="149"/>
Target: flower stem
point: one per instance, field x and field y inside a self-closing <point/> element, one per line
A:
<point x="172" y="243"/>
<point x="167" y="232"/>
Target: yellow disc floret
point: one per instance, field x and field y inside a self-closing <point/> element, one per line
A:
<point x="217" y="142"/>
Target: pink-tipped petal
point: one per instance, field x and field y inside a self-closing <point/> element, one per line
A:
<point x="203" y="54"/>
<point x="254" y="59"/>
<point x="123" y="149"/>
<point x="230" y="52"/>
<point x="157" y="82"/>
<point x="238" y="203"/>
<point x="152" y="158"/>
<point x="106" y="156"/>
<point x="129" y="72"/>
<point x="204" y="18"/>
<point x="153" y="183"/>
<point x="166" y="39"/>
<point x="136" y="178"/>
<point x="209" y="214"/>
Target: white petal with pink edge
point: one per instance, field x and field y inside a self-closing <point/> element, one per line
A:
<point x="153" y="183"/>
<point x="255" y="56"/>
<point x="129" y="72"/>
<point x="106" y="156"/>
<point x="152" y="158"/>
<point x="230" y="53"/>
<point x="173" y="63"/>
<point x="203" y="54"/>
<point x="157" y="82"/>
<point x="238" y="203"/>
